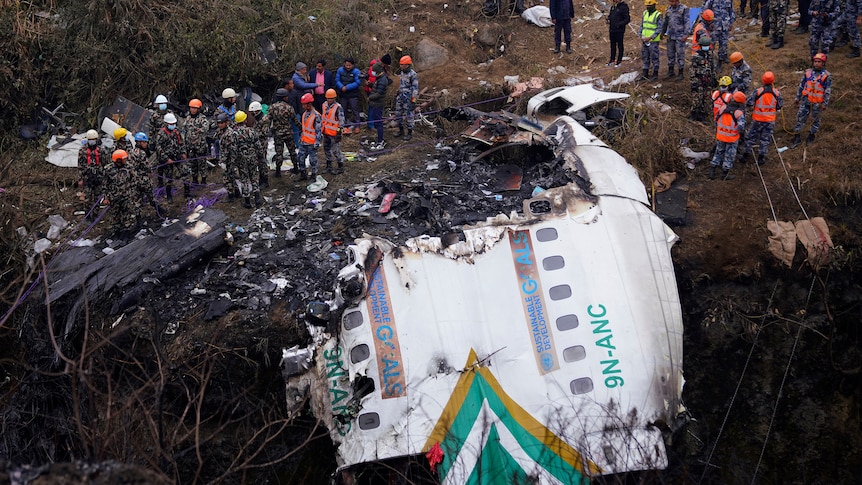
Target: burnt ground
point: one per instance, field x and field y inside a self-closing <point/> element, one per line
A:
<point x="772" y="354"/>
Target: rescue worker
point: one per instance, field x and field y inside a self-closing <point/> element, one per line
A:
<point x="766" y="101"/>
<point x="157" y="119"/>
<point x="702" y="78"/>
<point x="740" y="74"/>
<point x="195" y="132"/>
<point x="283" y="119"/>
<point x="348" y="78"/>
<point x="332" y="119"/>
<point x="92" y="159"/>
<point x="824" y="15"/>
<point x="121" y="192"/>
<point x="262" y="126"/>
<point x="812" y="96"/>
<point x="702" y="27"/>
<point x="728" y="127"/>
<point x="721" y="96"/>
<point x="309" y="141"/>
<point x="120" y="140"/>
<point x="777" y="22"/>
<point x="228" y="104"/>
<point x="170" y="152"/>
<point x="247" y="150"/>
<point x="650" y="39"/>
<point x="139" y="163"/>
<point x="675" y="27"/>
<point x="227" y="154"/>
<point x="848" y="20"/>
<point x="405" y="100"/>
<point x="724" y="16"/>
<point x="376" y="101"/>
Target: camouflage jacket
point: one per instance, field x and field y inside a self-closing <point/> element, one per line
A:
<point x="195" y="132"/>
<point x="227" y="147"/>
<point x="138" y="162"/>
<point x="247" y="145"/>
<point x="283" y="118"/>
<point x="703" y="71"/>
<point x="122" y="184"/>
<point x="409" y="87"/>
<point x="92" y="161"/>
<point x="169" y="146"/>
<point x="157" y="121"/>
<point x="741" y="77"/>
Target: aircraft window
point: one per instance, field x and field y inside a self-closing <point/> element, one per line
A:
<point x="352" y="320"/>
<point x="546" y="234"/>
<point x="574" y="354"/>
<point x="359" y="353"/>
<point x="369" y="420"/>
<point x="560" y="292"/>
<point x="540" y="207"/>
<point x="567" y="322"/>
<point x="581" y="386"/>
<point x="552" y="263"/>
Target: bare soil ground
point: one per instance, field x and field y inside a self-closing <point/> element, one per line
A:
<point x="773" y="354"/>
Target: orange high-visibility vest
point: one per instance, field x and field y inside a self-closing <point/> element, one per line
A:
<point x="719" y="101"/>
<point x="726" y="129"/>
<point x="309" y="133"/>
<point x="330" y="122"/>
<point x="765" y="104"/>
<point x="815" y="86"/>
<point x="697" y="28"/>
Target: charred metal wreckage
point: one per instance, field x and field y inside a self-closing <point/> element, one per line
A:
<point x="544" y="344"/>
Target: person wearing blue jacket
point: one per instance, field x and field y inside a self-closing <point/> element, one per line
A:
<point x="348" y="78"/>
<point x="300" y="79"/>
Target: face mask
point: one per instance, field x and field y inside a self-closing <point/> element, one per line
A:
<point x="171" y="127"/>
<point x="92" y="143"/>
<point x="163" y="106"/>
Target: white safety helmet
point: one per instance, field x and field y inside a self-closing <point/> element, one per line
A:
<point x="92" y="135"/>
<point x="161" y="99"/>
<point x="170" y="118"/>
<point x="228" y="93"/>
<point x="255" y="106"/>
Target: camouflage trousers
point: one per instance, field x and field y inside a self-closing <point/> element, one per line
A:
<point x="760" y="132"/>
<point x="676" y="53"/>
<point x="248" y="174"/>
<point x="725" y="154"/>
<point x="806" y="107"/>
<point x="197" y="165"/>
<point x="650" y="55"/>
<point x="125" y="212"/>
<point x="700" y="109"/>
<point x="848" y="21"/>
<point x="820" y="39"/>
<point x="404" y="112"/>
<point x="230" y="176"/>
<point x="332" y="151"/>
<point x="281" y="141"/>
<point x="778" y="17"/>
<point x="720" y="38"/>
<point x="310" y="152"/>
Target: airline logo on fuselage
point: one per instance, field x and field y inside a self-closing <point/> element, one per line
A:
<point x="533" y="301"/>
<point x="386" y="347"/>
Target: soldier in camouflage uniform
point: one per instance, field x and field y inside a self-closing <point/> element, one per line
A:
<point x="92" y="160"/>
<point x="332" y="120"/>
<point x="195" y="132"/>
<point x="849" y="16"/>
<point x="405" y="100"/>
<point x="283" y="118"/>
<point x="702" y="79"/>
<point x="721" y="26"/>
<point x="262" y="125"/>
<point x="729" y="126"/>
<point x="740" y="75"/>
<point x="766" y="102"/>
<point x="157" y="120"/>
<point x="777" y="22"/>
<point x="120" y="140"/>
<point x="812" y="96"/>
<point x="170" y="152"/>
<point x="824" y="15"/>
<point x="309" y="140"/>
<point x="227" y="154"/>
<point x="675" y="29"/>
<point x="121" y="192"/>
<point x="139" y="163"/>
<point x="248" y="150"/>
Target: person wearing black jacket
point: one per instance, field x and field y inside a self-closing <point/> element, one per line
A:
<point x="618" y="19"/>
<point x="562" y="12"/>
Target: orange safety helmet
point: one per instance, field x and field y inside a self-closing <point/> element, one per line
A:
<point x="768" y="77"/>
<point x="306" y="98"/>
<point x="405" y="60"/>
<point x="819" y="57"/>
<point x="707" y="15"/>
<point x="735" y="57"/>
<point x="739" y="97"/>
<point x="331" y="94"/>
<point x="119" y="155"/>
<point x="195" y="103"/>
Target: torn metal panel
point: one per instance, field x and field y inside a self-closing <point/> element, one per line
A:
<point x="567" y="100"/>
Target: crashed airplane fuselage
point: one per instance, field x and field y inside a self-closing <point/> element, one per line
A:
<point x="543" y="346"/>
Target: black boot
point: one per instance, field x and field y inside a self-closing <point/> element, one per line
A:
<point x="187" y="190"/>
<point x="764" y="32"/>
<point x="257" y="200"/>
<point x="772" y="40"/>
<point x="401" y="131"/>
<point x="761" y="159"/>
<point x="568" y="48"/>
<point x="779" y="43"/>
<point x="797" y="139"/>
<point x="654" y="74"/>
<point x="810" y="139"/>
<point x="853" y="53"/>
<point x="170" y="192"/>
<point x="264" y="180"/>
<point x="679" y="75"/>
<point x="644" y="75"/>
<point x="726" y="175"/>
<point x="278" y="170"/>
<point x="670" y="72"/>
<point x="409" y="134"/>
<point x="203" y="180"/>
<point x="556" y="49"/>
<point x="247" y="203"/>
<point x="712" y="173"/>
